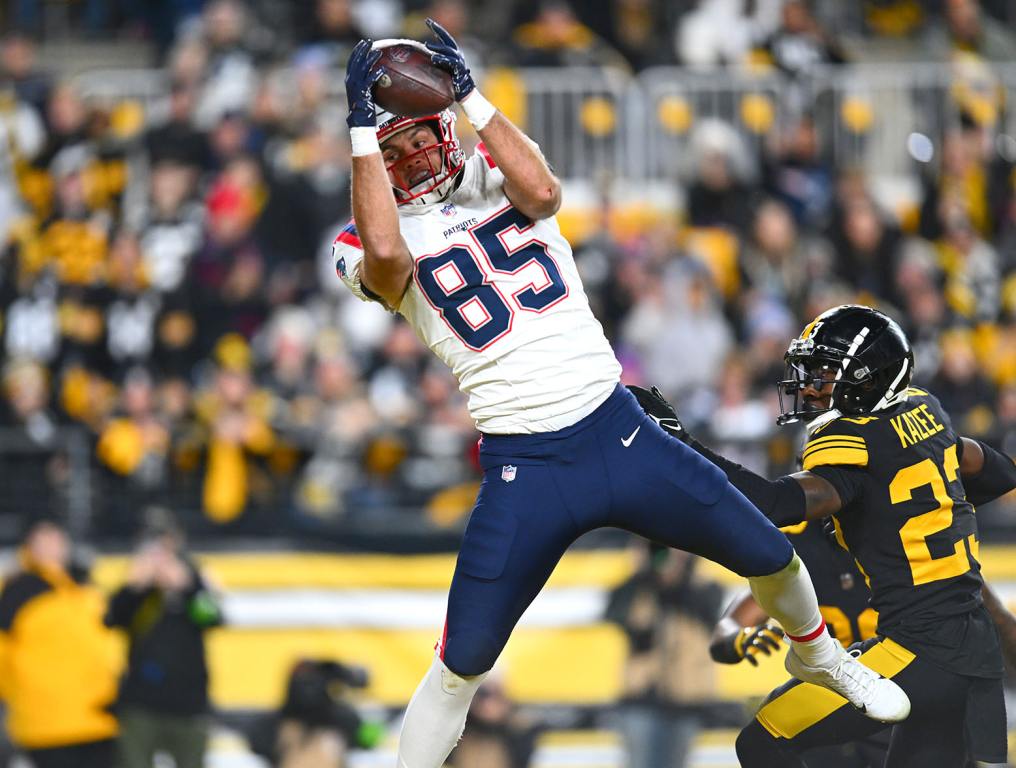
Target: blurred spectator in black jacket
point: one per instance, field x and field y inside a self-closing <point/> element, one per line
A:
<point x="328" y="25"/>
<point x="667" y="611"/>
<point x="165" y="608"/>
<point x="18" y="66"/>
<point x="176" y="139"/>
<point x="1003" y="436"/>
<point x="801" y="43"/>
<point x="719" y="196"/>
<point x="868" y="251"/>
<point x="780" y="262"/>
<point x="962" y="387"/>
<point x="30" y="463"/>
<point x="799" y="174"/>
<point x="316" y="726"/>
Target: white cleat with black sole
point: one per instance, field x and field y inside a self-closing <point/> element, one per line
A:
<point x="875" y="696"/>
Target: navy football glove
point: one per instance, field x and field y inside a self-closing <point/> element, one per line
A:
<point x="361" y="75"/>
<point x="446" y="55"/>
<point x="660" y="411"/>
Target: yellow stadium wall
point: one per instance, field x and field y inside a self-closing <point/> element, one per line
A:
<point x="573" y="664"/>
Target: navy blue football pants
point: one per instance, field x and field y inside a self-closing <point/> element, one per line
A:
<point x="617" y="468"/>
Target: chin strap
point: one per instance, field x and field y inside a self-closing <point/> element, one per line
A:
<point x="821" y="420"/>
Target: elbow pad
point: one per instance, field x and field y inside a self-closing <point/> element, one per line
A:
<point x="996" y="478"/>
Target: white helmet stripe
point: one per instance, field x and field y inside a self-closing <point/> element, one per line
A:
<point x="858" y="339"/>
<point x="891" y="396"/>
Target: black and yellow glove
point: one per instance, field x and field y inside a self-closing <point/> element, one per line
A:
<point x="747" y="644"/>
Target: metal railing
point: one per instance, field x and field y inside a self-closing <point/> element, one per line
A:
<point x="44" y="473"/>
<point x="598" y="122"/>
<point x="62" y="476"/>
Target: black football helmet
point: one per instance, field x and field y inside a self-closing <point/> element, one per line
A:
<point x="867" y="353"/>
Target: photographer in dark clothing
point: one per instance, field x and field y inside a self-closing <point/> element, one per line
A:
<point x="315" y="727"/>
<point x="667" y="612"/>
<point x="165" y="608"/>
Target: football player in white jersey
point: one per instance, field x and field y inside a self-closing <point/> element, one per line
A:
<point x="468" y="251"/>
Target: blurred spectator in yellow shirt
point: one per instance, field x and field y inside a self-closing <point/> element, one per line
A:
<point x="58" y="663"/>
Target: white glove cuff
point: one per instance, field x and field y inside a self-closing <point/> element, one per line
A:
<point x="364" y="141"/>
<point x="478" y="110"/>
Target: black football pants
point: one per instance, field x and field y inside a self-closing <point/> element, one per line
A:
<point x="800" y="716"/>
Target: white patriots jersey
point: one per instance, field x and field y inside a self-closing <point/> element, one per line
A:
<point x="498" y="298"/>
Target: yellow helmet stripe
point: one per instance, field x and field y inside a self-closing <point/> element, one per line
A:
<point x="808" y="329"/>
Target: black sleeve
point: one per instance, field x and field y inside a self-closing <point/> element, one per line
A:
<point x="849" y="482"/>
<point x="17" y="591"/>
<point x="347" y="721"/>
<point x="123" y="605"/>
<point x="996" y="478"/>
<point x="781" y="500"/>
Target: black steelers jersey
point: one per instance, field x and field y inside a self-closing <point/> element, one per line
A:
<point x="907" y="523"/>
<point x="843" y="596"/>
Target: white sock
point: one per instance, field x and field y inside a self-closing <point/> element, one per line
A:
<point x="435" y="717"/>
<point x="789" y="597"/>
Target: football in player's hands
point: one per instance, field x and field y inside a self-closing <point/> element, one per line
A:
<point x="410" y="85"/>
<point x="660" y="411"/>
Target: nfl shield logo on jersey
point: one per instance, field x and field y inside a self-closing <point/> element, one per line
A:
<point x="448" y="210"/>
<point x="508" y="472"/>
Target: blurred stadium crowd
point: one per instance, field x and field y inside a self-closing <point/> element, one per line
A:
<point x="170" y="311"/>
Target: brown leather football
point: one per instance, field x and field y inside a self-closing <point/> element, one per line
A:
<point x="411" y="86"/>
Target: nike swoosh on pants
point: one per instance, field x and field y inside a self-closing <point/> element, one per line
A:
<point x="627" y="442"/>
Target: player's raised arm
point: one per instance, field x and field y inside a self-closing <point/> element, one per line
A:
<point x="387" y="263"/>
<point x="529" y="183"/>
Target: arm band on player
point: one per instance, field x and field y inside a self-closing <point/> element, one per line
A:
<point x="478" y="110"/>
<point x="782" y="500"/>
<point x="363" y="141"/>
<point x="996" y="478"/>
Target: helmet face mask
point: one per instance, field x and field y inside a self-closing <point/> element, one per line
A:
<point x="443" y="159"/>
<point x="819" y="372"/>
<point x="856" y="359"/>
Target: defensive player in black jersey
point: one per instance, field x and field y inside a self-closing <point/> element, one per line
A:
<point x="883" y="461"/>
<point x="745" y="631"/>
